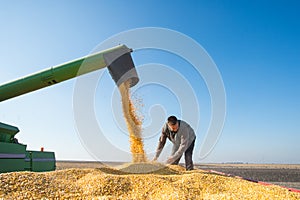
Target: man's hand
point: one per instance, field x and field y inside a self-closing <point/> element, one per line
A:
<point x="170" y="160"/>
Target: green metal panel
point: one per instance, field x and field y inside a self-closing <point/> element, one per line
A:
<point x="12" y="157"/>
<point x="7" y="132"/>
<point x="28" y="161"/>
<point x="42" y="161"/>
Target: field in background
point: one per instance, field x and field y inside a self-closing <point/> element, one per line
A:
<point x="287" y="175"/>
<point x="278" y="174"/>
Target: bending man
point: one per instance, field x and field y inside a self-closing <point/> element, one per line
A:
<point x="183" y="138"/>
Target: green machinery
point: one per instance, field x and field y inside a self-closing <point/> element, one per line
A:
<point x="13" y="155"/>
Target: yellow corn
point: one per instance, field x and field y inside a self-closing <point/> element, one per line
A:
<point x="129" y="182"/>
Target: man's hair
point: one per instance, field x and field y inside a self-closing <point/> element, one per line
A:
<point x="172" y="120"/>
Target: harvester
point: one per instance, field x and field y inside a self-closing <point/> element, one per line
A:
<point x="13" y="155"/>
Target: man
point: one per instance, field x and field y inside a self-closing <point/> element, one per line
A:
<point x="183" y="138"/>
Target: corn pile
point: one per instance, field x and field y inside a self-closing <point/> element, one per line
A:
<point x="171" y="182"/>
<point x="134" y="125"/>
<point x="147" y="168"/>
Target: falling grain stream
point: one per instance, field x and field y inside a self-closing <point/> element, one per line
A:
<point x="134" y="125"/>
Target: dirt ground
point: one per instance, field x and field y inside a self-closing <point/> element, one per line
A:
<point x="278" y="174"/>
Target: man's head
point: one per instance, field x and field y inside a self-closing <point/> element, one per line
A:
<point x="173" y="123"/>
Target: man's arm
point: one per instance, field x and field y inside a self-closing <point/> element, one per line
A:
<point x="161" y="144"/>
<point x="184" y="142"/>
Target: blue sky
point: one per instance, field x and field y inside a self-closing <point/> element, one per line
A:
<point x="255" y="45"/>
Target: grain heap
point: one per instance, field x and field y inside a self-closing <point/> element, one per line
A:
<point x="146" y="168"/>
<point x="171" y="182"/>
<point x="134" y="125"/>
